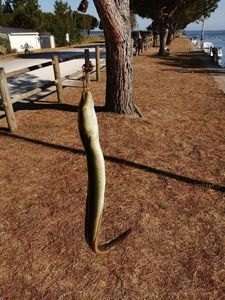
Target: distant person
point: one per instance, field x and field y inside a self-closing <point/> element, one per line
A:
<point x="155" y="38"/>
<point x="167" y="51"/>
<point x="139" y="42"/>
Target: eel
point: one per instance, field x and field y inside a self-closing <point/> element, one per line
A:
<point x="89" y="133"/>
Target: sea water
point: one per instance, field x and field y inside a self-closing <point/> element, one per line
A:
<point x="217" y="37"/>
<point x="96" y="32"/>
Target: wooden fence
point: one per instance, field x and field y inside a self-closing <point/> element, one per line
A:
<point x="8" y="101"/>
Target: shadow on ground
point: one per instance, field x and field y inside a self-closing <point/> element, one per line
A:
<point x="31" y="105"/>
<point x="148" y="169"/>
<point x="196" y="61"/>
<point x="24" y="83"/>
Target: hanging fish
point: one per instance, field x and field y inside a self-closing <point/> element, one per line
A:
<point x="89" y="133"/>
<point x="83" y="6"/>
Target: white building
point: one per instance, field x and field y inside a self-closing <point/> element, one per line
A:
<point x="19" y="40"/>
<point x="19" y="37"/>
<point x="47" y="40"/>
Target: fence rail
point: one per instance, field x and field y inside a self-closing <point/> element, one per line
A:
<point x="28" y="69"/>
<point x="40" y="66"/>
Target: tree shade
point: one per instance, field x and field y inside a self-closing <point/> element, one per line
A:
<point x="172" y="14"/>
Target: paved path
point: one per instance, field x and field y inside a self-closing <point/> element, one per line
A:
<point x="28" y="81"/>
<point x="216" y="71"/>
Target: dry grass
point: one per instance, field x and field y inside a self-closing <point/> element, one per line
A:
<point x="165" y="179"/>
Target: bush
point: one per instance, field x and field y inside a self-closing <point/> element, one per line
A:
<point x="4" y="43"/>
<point x="92" y="39"/>
<point x="3" y="50"/>
<point x="13" y="50"/>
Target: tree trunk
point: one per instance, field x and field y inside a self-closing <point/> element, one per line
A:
<point x="115" y="18"/>
<point x="169" y="36"/>
<point x="162" y="35"/>
<point x="171" y="33"/>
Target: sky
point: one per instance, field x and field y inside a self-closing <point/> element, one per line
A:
<point x="215" y="22"/>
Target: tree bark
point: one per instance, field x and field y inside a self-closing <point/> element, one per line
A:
<point x="171" y="33"/>
<point x="115" y="18"/>
<point x="162" y="35"/>
<point x="169" y="36"/>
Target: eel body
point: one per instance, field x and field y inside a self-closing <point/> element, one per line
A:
<point x="89" y="133"/>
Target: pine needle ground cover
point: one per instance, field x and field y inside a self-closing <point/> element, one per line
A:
<point x="165" y="179"/>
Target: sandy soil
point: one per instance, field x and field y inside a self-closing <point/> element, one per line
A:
<point x="165" y="179"/>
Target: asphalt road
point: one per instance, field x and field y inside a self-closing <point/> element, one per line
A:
<point x="28" y="81"/>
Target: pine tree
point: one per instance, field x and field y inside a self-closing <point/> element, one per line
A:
<point x="62" y="13"/>
<point x="173" y="13"/>
<point x="2" y="19"/>
<point x="115" y="19"/>
<point x="7" y="7"/>
<point x="26" y="14"/>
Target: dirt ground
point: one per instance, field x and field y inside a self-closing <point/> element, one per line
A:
<point x="165" y="180"/>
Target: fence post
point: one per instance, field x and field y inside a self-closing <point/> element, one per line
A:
<point x="97" y="57"/>
<point x="7" y="103"/>
<point x="142" y="47"/>
<point x="58" y="80"/>
<point x="151" y="42"/>
<point x="87" y="62"/>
